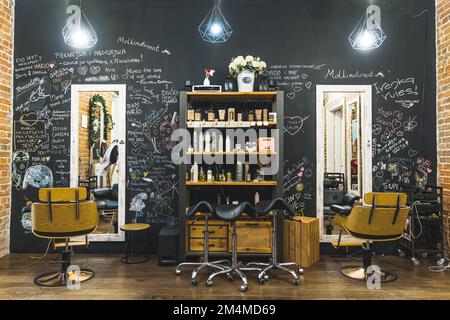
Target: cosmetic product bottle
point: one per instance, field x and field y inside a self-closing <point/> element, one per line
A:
<point x="229" y="176"/>
<point x="248" y="176"/>
<point x="239" y="171"/>
<point x="222" y="176"/>
<point x="190" y="114"/>
<point x="207" y="142"/>
<point x="202" y="175"/>
<point x="195" y="138"/>
<point x="201" y="141"/>
<point x="198" y="115"/>
<point x="228" y="144"/>
<point x="220" y="144"/>
<point x="213" y="142"/>
<point x="211" y="115"/>
<point x="194" y="172"/>
<point x="209" y="175"/>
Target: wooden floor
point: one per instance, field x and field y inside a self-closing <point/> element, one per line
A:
<point x="115" y="280"/>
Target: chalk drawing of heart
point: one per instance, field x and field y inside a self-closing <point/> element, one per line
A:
<point x="304" y="76"/>
<point x="51" y="65"/>
<point x="297" y="87"/>
<point x="308" y="85"/>
<point x="293" y="125"/>
<point x="82" y="70"/>
<point x="29" y="119"/>
<point x="377" y="129"/>
<point x="396" y="124"/>
<point x="135" y="151"/>
<point x="114" y="77"/>
<point x="94" y="70"/>
<point x="377" y="183"/>
<point x="412" y="153"/>
<point x="291" y="95"/>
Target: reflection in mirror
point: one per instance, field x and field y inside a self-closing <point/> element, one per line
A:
<point x="342" y="154"/>
<point x="98" y="154"/>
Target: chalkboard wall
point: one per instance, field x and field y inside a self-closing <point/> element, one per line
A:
<point x="153" y="46"/>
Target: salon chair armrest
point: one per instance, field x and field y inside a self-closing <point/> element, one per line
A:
<point x="341" y="209"/>
<point x="102" y="193"/>
<point x="350" y="199"/>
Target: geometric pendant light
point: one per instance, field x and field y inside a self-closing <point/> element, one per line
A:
<point x="215" y="28"/>
<point x="367" y="33"/>
<point x="78" y="31"/>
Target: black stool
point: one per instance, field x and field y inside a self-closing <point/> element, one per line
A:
<point x="207" y="209"/>
<point x="128" y="229"/>
<point x="262" y="208"/>
<point x="231" y="213"/>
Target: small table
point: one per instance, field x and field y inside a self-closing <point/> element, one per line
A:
<point x="128" y="229"/>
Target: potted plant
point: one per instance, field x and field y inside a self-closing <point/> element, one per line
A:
<point x="245" y="70"/>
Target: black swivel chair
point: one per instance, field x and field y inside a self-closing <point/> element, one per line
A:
<point x="262" y="208"/>
<point x="206" y="209"/>
<point x="231" y="213"/>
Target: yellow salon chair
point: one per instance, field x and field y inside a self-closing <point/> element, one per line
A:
<point x="60" y="215"/>
<point x="382" y="217"/>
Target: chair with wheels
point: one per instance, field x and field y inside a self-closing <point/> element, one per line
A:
<point x="206" y="209"/>
<point x="382" y="217"/>
<point x="60" y="214"/>
<point x="275" y="206"/>
<point x="231" y="213"/>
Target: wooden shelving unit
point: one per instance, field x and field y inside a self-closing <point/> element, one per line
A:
<point x="232" y="183"/>
<point x="254" y="235"/>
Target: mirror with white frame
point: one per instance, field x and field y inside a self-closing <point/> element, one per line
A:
<point x="98" y="153"/>
<point x="343" y="160"/>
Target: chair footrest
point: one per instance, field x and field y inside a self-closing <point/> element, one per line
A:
<point x="71" y="244"/>
<point x="347" y="244"/>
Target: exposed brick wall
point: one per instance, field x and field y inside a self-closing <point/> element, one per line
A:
<point x="443" y="108"/>
<point x="6" y="83"/>
<point x="83" y="133"/>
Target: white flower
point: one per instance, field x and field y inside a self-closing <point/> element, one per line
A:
<point x="249" y="58"/>
<point x="255" y="64"/>
<point x="263" y="65"/>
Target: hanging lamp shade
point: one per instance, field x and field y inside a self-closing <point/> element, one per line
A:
<point x="215" y="28"/>
<point x="78" y="31"/>
<point x="367" y="33"/>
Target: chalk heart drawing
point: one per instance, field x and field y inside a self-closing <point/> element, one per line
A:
<point x="114" y="76"/>
<point x="136" y="151"/>
<point x="293" y="125"/>
<point x="82" y="70"/>
<point x="412" y="153"/>
<point x="29" y="119"/>
<point x="304" y="76"/>
<point x="377" y="129"/>
<point x="308" y="85"/>
<point x="396" y="124"/>
<point x="291" y="95"/>
<point x="94" y="70"/>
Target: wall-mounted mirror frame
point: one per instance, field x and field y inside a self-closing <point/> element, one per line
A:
<point x="365" y="145"/>
<point x="76" y="89"/>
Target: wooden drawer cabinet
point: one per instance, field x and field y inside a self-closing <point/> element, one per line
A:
<point x="253" y="236"/>
<point x="215" y="245"/>
<point x="215" y="231"/>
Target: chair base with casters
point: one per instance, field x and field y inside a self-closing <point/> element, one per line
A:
<point x="62" y="277"/>
<point x="232" y="213"/>
<point x="129" y="257"/>
<point x="206" y="208"/>
<point x="361" y="272"/>
<point x="262" y="208"/>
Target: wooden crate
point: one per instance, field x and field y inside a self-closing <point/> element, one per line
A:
<point x="301" y="241"/>
<point x="253" y="236"/>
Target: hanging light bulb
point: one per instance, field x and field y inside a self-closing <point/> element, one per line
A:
<point x="215" y="28"/>
<point x="367" y="33"/>
<point x="78" y="31"/>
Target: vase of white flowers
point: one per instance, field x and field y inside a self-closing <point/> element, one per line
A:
<point x="245" y="70"/>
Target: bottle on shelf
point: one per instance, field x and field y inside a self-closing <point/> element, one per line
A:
<point x="239" y="171"/>
<point x="228" y="144"/>
<point x="202" y="177"/>
<point x="248" y="176"/>
<point x="213" y="142"/>
<point x="209" y="176"/>
<point x="207" y="142"/>
<point x="195" y="138"/>
<point x="220" y="144"/>
<point x="194" y="172"/>
<point x="201" y="142"/>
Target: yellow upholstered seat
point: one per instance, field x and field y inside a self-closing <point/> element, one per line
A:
<point x="62" y="213"/>
<point x="382" y="217"/>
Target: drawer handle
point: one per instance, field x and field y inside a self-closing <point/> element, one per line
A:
<point x="254" y="224"/>
<point x="212" y="232"/>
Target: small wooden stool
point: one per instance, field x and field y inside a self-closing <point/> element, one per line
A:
<point x="128" y="229"/>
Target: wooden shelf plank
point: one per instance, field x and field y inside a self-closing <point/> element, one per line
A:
<point x="231" y="153"/>
<point x="233" y="125"/>
<point x="258" y="95"/>
<point x="232" y="183"/>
